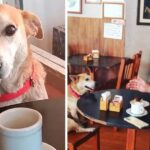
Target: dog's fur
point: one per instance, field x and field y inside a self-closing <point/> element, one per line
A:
<point x="79" y="84"/>
<point x="16" y="61"/>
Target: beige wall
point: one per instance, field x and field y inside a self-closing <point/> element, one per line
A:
<point x="51" y="14"/>
<point x="137" y="38"/>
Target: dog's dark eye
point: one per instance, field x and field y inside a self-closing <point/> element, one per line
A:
<point x="87" y="79"/>
<point x="10" y="30"/>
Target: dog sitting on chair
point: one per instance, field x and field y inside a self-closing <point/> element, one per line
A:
<point x="80" y="84"/>
<point x="21" y="76"/>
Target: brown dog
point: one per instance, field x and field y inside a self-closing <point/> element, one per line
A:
<point x="22" y="77"/>
<point x="80" y="85"/>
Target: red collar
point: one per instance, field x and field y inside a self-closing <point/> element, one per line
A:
<point x="74" y="93"/>
<point x="26" y="86"/>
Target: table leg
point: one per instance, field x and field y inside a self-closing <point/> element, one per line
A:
<point x="130" y="142"/>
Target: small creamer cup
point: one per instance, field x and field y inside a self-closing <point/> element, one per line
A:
<point x="20" y="129"/>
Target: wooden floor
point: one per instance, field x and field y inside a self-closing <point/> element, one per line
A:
<point x="116" y="140"/>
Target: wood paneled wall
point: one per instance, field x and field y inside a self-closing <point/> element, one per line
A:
<point x="85" y="34"/>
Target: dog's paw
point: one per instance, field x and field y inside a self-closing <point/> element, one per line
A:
<point x="90" y="129"/>
<point x="81" y="129"/>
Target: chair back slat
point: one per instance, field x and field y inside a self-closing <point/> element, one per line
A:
<point x="129" y="69"/>
<point x="136" y="64"/>
<point x="120" y="74"/>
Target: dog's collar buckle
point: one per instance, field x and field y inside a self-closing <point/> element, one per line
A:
<point x="32" y="81"/>
<point x="32" y="77"/>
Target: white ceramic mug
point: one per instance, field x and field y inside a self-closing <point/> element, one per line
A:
<point x="20" y="129"/>
<point x="137" y="108"/>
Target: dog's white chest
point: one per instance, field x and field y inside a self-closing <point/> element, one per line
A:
<point x="72" y="102"/>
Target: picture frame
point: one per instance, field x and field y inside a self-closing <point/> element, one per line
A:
<point x="113" y="10"/>
<point x="92" y="1"/>
<point x="19" y="4"/>
<point x="143" y="12"/>
<point x="74" y="6"/>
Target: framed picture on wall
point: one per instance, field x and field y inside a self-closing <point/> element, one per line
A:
<point x="92" y="1"/>
<point x="113" y="10"/>
<point x="143" y="12"/>
<point x="74" y="6"/>
<point x="17" y="3"/>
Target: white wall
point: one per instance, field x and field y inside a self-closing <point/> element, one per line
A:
<point x="89" y="11"/>
<point x="114" y="1"/>
<point x="51" y="13"/>
<point x="137" y="38"/>
<point x="92" y="10"/>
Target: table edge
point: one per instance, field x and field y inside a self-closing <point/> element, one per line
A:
<point x="91" y="119"/>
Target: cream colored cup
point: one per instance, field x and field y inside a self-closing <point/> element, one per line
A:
<point x="20" y="129"/>
<point x="137" y="108"/>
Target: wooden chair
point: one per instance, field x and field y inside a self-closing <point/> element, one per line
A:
<point x="77" y="139"/>
<point x="136" y="64"/>
<point x="128" y="69"/>
<point x="125" y="72"/>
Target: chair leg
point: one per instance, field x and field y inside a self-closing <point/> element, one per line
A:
<point x="95" y="134"/>
<point x="98" y="140"/>
<point x="71" y="147"/>
<point x="115" y="129"/>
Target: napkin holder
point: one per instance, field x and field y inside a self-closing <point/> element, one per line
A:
<point x="104" y="101"/>
<point x="116" y="104"/>
<point x="95" y="54"/>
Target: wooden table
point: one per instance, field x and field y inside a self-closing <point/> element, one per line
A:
<point x="53" y="112"/>
<point x="88" y="106"/>
<point x="102" y="62"/>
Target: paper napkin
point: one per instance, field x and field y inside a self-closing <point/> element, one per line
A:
<point x="136" y="122"/>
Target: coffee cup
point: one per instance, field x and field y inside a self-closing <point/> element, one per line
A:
<point x="137" y="108"/>
<point x="20" y="129"/>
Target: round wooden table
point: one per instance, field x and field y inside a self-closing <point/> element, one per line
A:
<point x="89" y="107"/>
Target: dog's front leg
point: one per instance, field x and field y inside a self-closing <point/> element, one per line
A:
<point x="81" y="129"/>
<point x="72" y="108"/>
<point x="74" y="113"/>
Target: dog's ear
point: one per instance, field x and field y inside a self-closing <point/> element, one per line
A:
<point x="73" y="77"/>
<point x="89" y="72"/>
<point x="32" y="25"/>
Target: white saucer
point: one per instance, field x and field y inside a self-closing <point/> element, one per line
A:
<point x="46" y="146"/>
<point x="128" y="111"/>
